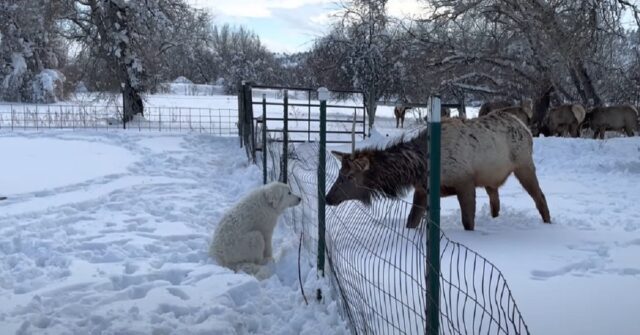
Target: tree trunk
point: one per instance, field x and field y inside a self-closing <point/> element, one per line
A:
<point x="462" y="111"/>
<point x="132" y="103"/>
<point x="371" y="104"/>
<point x="588" y="84"/>
<point x="576" y="82"/>
<point x="541" y="105"/>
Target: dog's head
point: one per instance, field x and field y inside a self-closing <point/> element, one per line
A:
<point x="279" y="196"/>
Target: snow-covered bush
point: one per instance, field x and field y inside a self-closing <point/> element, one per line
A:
<point x="48" y="86"/>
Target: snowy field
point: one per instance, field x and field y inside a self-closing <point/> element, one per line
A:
<point x="108" y="232"/>
<point x="581" y="274"/>
<point x="212" y="114"/>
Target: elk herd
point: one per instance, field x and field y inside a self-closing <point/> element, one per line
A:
<point x="571" y="119"/>
<point x="563" y="120"/>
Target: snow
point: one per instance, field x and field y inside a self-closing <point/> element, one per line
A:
<point x="580" y="274"/>
<point x="182" y="80"/>
<point x="48" y="79"/>
<point x="109" y="234"/>
<point x="19" y="65"/>
<point x="64" y="165"/>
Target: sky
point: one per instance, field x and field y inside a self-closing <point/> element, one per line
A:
<point x="288" y="25"/>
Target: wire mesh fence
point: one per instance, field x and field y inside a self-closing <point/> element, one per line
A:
<point x="217" y="121"/>
<point x="379" y="267"/>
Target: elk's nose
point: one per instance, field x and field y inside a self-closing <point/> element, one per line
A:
<point x="329" y="201"/>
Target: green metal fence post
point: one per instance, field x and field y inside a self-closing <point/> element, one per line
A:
<point x="264" y="139"/>
<point x="323" y="95"/>
<point x="285" y="138"/>
<point x="433" y="225"/>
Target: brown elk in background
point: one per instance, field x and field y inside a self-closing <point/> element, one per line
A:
<point x="562" y="119"/>
<point x="622" y="118"/>
<point x="399" y="112"/>
<point x="491" y="106"/>
<point x="481" y="152"/>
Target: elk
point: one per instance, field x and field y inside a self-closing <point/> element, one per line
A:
<point x="490" y="106"/>
<point x="481" y="152"/>
<point x="619" y="118"/>
<point x="562" y="119"/>
<point x="399" y="112"/>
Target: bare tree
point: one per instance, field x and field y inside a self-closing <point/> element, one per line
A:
<point x="516" y="48"/>
<point x="31" y="51"/>
<point x="119" y="33"/>
<point x="359" y="52"/>
<point x="242" y="56"/>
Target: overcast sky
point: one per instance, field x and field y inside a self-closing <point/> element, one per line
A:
<point x="292" y="25"/>
<point x="287" y="25"/>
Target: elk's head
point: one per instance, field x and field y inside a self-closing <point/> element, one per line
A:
<point x="351" y="181"/>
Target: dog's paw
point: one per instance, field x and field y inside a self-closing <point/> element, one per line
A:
<point x="264" y="272"/>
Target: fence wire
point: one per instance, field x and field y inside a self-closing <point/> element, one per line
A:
<point x="379" y="267"/>
<point x="216" y="121"/>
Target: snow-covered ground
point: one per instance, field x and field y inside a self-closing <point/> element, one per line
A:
<point x="581" y="274"/>
<point x="108" y="232"/>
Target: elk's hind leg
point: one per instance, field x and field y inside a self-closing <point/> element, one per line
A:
<point x="526" y="175"/>
<point x="494" y="200"/>
<point x="629" y="131"/>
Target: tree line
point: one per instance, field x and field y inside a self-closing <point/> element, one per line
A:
<point x="549" y="51"/>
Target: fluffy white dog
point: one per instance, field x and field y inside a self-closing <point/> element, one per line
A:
<point x="245" y="231"/>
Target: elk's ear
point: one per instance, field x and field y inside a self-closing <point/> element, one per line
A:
<point x="362" y="163"/>
<point x="339" y="155"/>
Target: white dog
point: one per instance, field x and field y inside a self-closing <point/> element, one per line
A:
<point x="245" y="231"/>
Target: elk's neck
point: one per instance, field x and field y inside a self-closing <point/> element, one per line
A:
<point x="400" y="167"/>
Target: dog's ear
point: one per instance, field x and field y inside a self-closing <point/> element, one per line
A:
<point x="274" y="195"/>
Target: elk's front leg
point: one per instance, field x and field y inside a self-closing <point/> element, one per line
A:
<point x="418" y="209"/>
